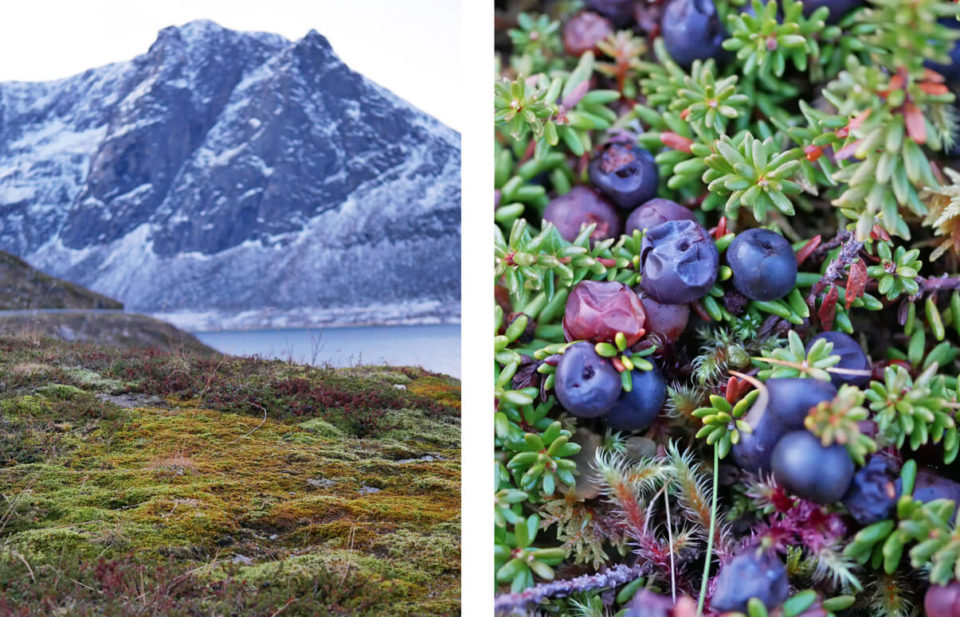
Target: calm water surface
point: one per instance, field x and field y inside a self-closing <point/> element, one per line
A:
<point x="435" y="348"/>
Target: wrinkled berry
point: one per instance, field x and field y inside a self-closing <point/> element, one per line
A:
<point x="873" y="493"/>
<point x="597" y="310"/>
<point x="851" y="357"/>
<point x="586" y="384"/>
<point x="625" y="174"/>
<point x="809" y="470"/>
<point x="666" y="321"/>
<point x="655" y="212"/>
<point x="692" y="30"/>
<point x="838" y="8"/>
<point x="583" y="206"/>
<point x="942" y="600"/>
<point x="763" y="263"/>
<point x="754" y="573"/>
<point x="637" y="409"/>
<point x="583" y="31"/>
<point x="679" y="262"/>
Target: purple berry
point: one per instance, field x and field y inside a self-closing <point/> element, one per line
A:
<point x="667" y="321"/>
<point x="586" y="384"/>
<point x="583" y="206"/>
<point x="637" y="409"/>
<point x="942" y="600"/>
<point x="679" y="262"/>
<point x="754" y="573"/>
<point x="763" y="263"/>
<point x="851" y="357"/>
<point x="692" y="30"/>
<point x="655" y="212"/>
<point x="625" y="174"/>
<point x="806" y="468"/>
<point x="620" y="12"/>
<point x="583" y="31"/>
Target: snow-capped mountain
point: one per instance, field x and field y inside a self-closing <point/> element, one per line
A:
<point x="234" y="178"/>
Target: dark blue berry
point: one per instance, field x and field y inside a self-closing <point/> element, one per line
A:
<point x="754" y="573"/>
<point x="873" y="493"/>
<point x="929" y="487"/>
<point x="791" y="398"/>
<point x="655" y="212"/>
<point x="625" y="174"/>
<point x="809" y="470"/>
<point x="950" y="72"/>
<point x="637" y="409"/>
<point x="583" y="206"/>
<point x="838" y="8"/>
<point x="755" y="448"/>
<point x="763" y="263"/>
<point x="586" y="384"/>
<point x="851" y="357"/>
<point x="679" y="262"/>
<point x="620" y="12"/>
<point x="692" y="30"/>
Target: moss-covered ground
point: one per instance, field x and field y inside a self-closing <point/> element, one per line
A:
<point x="144" y="483"/>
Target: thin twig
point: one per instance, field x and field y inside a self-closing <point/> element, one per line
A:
<point x="611" y="577"/>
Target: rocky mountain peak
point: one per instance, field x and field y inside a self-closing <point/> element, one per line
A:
<point x="231" y="159"/>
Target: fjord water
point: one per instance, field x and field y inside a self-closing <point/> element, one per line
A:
<point x="434" y="347"/>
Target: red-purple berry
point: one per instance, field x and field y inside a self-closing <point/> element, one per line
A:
<point x="597" y="310"/>
<point x="583" y="206"/>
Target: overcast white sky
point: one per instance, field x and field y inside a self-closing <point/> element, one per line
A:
<point x="411" y="47"/>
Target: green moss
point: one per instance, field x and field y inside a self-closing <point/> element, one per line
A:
<point x="202" y="482"/>
<point x="322" y="428"/>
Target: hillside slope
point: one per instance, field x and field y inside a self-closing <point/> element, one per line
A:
<point x="23" y="287"/>
<point x="164" y="484"/>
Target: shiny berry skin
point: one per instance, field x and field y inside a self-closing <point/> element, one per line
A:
<point x="637" y="409"/>
<point x="763" y="263"/>
<point x="586" y="384"/>
<point x="873" y="494"/>
<point x="583" y="206"/>
<point x="807" y="469"/>
<point x="942" y="600"/>
<point x="679" y="262"/>
<point x="657" y="211"/>
<point x="666" y="321"/>
<point x="851" y="357"/>
<point x="751" y="574"/>
<point x="789" y="401"/>
<point x="838" y="8"/>
<point x="583" y="31"/>
<point x="626" y="174"/>
<point x="692" y="30"/>
<point x="597" y="310"/>
<point x="791" y="398"/>
<point x="756" y="447"/>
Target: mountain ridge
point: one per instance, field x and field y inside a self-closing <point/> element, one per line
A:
<point x="225" y="172"/>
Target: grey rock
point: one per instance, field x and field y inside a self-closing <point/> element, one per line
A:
<point x="230" y="171"/>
